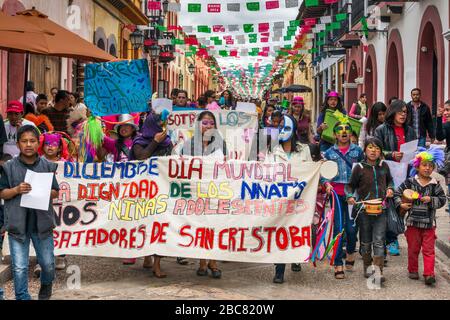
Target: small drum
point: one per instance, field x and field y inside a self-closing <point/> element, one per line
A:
<point x="408" y="196"/>
<point x="373" y="207"/>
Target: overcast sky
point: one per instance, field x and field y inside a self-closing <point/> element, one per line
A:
<point x="244" y="16"/>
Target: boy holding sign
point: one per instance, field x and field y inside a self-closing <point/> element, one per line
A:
<point x="25" y="224"/>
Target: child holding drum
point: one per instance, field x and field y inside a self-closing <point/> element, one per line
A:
<point x="420" y="196"/>
<point x="370" y="183"/>
<point x="345" y="154"/>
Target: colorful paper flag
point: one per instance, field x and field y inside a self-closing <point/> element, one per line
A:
<point x="291" y="3"/>
<point x="311" y="3"/>
<point x="272" y="5"/>
<point x="174" y="7"/>
<point x="253" y="6"/>
<point x="310" y="21"/>
<point x="213" y="7"/>
<point x="194" y="7"/>
<point x="330" y="1"/>
<point x="218" y="28"/>
<point x="341" y="16"/>
<point x="264" y="39"/>
<point x="204" y="29"/>
<point x="235" y="7"/>
<point x="154" y="5"/>
<point x="263" y="27"/>
<point x="248" y="28"/>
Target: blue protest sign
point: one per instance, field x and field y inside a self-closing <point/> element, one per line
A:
<point x="117" y="87"/>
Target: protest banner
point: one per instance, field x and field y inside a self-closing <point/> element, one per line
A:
<point x="117" y="87"/>
<point x="236" y="128"/>
<point x="194" y="207"/>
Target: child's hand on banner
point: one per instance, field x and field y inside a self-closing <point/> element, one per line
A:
<point x="23" y="188"/>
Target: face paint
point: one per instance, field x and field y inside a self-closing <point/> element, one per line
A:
<point x="287" y="130"/>
<point x="343" y="129"/>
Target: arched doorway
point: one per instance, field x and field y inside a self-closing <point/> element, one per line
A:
<point x="352" y="91"/>
<point x="394" y="67"/>
<point x="368" y="81"/>
<point x="371" y="77"/>
<point x="431" y="59"/>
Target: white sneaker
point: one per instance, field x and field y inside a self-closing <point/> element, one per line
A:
<point x="37" y="271"/>
<point x="60" y="263"/>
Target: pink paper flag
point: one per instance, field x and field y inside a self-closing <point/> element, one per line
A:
<point x="227" y="37"/>
<point x="231" y="41"/>
<point x="154" y="5"/>
<point x="218" y="28"/>
<point x="214" y="7"/>
<point x="272" y="5"/>
<point x="264" y="39"/>
<point x="265" y="34"/>
<point x="263" y="27"/>
<point x="310" y="21"/>
<point x="233" y="53"/>
<point x="266" y="49"/>
<point x="330" y="1"/>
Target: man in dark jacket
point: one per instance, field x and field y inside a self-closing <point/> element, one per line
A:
<point x="419" y="118"/>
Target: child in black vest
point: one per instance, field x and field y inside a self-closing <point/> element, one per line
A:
<point x="23" y="224"/>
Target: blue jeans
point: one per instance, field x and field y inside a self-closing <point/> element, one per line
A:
<point x="422" y="142"/>
<point x="20" y="259"/>
<point x="2" y="294"/>
<point x="372" y="232"/>
<point x="349" y="232"/>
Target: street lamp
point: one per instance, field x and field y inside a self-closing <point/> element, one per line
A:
<point x="191" y="68"/>
<point x="302" y="66"/>
<point x="154" y="51"/>
<point x="165" y="5"/>
<point x="137" y="39"/>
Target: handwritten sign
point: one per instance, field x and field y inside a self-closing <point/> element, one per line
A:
<point x="117" y="87"/>
<point x="187" y="207"/>
<point x="237" y="129"/>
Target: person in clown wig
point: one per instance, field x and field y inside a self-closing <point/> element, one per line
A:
<point x="289" y="149"/>
<point x="421" y="213"/>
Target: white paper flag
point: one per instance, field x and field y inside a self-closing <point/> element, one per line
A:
<point x="188" y="29"/>
<point x="325" y="19"/>
<point x="174" y="7"/>
<point x="291" y="3"/>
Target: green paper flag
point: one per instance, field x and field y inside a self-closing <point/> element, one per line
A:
<point x="341" y="16"/>
<point x="204" y="29"/>
<point x="161" y="28"/>
<point x="253" y="6"/>
<point x="218" y="42"/>
<point x="223" y="53"/>
<point x="288" y="38"/>
<point x="321" y="34"/>
<point x="188" y="54"/>
<point x="294" y="23"/>
<point x="248" y="28"/>
<point x="320" y="43"/>
<point x="313" y="50"/>
<point x="194" y="7"/>
<point x="335" y="25"/>
<point x="365" y="27"/>
<point x="311" y="3"/>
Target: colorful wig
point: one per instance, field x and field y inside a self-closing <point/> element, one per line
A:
<point x="433" y="155"/>
<point x="91" y="139"/>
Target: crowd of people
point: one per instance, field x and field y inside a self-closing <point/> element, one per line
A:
<point x="44" y="131"/>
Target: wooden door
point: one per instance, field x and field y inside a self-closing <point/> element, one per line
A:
<point x="45" y="72"/>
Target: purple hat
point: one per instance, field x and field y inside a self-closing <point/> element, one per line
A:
<point x="333" y="94"/>
<point x="298" y="99"/>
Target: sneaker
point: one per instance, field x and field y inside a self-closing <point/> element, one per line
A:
<point x="430" y="280"/>
<point x="60" y="263"/>
<point x="37" y="271"/>
<point x="278" y="279"/>
<point x="296" y="267"/>
<point x="45" y="292"/>
<point x="413" y="275"/>
<point x="393" y="249"/>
